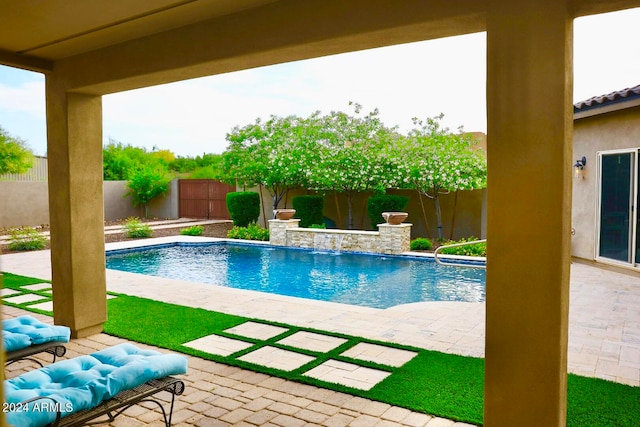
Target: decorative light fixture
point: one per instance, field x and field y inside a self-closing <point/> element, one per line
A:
<point x="579" y="167"/>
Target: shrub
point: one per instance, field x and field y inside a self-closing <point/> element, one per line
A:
<point x="136" y="229"/>
<point x="421" y="244"/>
<point x="317" y="226"/>
<point x="244" y="207"/>
<point x="477" y="249"/>
<point x="194" y="230"/>
<point x="384" y="203"/>
<point x="251" y="232"/>
<point x="309" y="209"/>
<point x="147" y="184"/>
<point x="26" y="239"/>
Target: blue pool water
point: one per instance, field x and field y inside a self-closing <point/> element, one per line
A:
<point x="356" y="279"/>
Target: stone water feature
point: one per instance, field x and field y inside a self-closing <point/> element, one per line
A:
<point x="389" y="239"/>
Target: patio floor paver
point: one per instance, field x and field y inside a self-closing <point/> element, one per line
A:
<point x="380" y="354"/>
<point x="255" y="330"/>
<point x="215" y="344"/>
<point x="347" y="374"/>
<point x="276" y="358"/>
<point x="312" y="341"/>
<point x="24" y="298"/>
<point x="44" y="306"/>
<point x="37" y="286"/>
<point x="7" y="292"/>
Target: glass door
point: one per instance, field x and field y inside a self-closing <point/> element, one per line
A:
<point x="618" y="197"/>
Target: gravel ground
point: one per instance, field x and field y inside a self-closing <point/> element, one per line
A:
<point x="210" y="230"/>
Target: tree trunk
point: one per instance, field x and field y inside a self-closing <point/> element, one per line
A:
<point x="335" y="194"/>
<point x="436" y="200"/>
<point x="424" y="215"/>
<point x="364" y="211"/>
<point x="264" y="214"/>
<point x="350" y="206"/>
<point x="453" y="216"/>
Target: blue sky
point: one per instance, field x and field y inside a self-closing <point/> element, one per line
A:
<point x="413" y="80"/>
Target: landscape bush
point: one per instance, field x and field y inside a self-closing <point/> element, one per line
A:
<point x="421" y="244"/>
<point x="243" y="207"/>
<point x="384" y="203"/>
<point x="477" y="249"/>
<point x="251" y="232"/>
<point x="136" y="229"/>
<point x="26" y="239"/>
<point x="194" y="230"/>
<point x="309" y="209"/>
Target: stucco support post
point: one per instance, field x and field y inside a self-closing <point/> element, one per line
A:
<point x="529" y="88"/>
<point x="74" y="132"/>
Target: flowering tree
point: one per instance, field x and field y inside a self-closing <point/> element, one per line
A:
<point x="275" y="154"/>
<point x="352" y="157"/>
<point x="437" y="162"/>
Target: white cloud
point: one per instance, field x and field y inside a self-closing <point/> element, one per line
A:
<point x="28" y="97"/>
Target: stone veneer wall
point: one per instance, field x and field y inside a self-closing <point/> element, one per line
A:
<point x="390" y="239"/>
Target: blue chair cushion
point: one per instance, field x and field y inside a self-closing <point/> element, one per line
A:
<point x="12" y="341"/>
<point x="85" y="381"/>
<point x="36" y="330"/>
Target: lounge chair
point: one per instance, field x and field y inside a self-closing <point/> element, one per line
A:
<point x="75" y="391"/>
<point x="26" y="336"/>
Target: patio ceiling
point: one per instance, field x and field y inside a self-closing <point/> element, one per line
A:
<point x="92" y="39"/>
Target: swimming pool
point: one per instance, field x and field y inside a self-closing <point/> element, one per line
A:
<point x="349" y="278"/>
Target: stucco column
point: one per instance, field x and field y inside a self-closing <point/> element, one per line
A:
<point x="529" y="88"/>
<point x="74" y="132"/>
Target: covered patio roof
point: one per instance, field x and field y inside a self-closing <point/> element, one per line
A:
<point x="89" y="49"/>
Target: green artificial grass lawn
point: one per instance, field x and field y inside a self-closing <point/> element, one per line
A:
<point x="436" y="383"/>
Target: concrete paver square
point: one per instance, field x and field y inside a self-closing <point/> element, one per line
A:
<point x="7" y="292"/>
<point x="38" y="286"/>
<point x="380" y="354"/>
<point x="255" y="330"/>
<point x="21" y="299"/>
<point x="46" y="306"/>
<point x="215" y="344"/>
<point x="312" y="341"/>
<point x="348" y="374"/>
<point x="276" y="358"/>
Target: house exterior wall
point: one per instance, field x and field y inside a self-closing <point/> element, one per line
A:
<point x="609" y="131"/>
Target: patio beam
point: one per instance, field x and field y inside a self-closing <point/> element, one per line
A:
<point x="529" y="100"/>
<point x="278" y="32"/>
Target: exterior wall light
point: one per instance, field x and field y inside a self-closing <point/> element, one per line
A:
<point x="579" y="167"/>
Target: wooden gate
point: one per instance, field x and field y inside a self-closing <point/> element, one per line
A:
<point x="203" y="198"/>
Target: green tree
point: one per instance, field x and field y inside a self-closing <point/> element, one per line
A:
<point x="145" y="185"/>
<point x="274" y="154"/>
<point x="437" y="161"/>
<point x="352" y="156"/>
<point x="15" y="155"/>
<point x="122" y="161"/>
